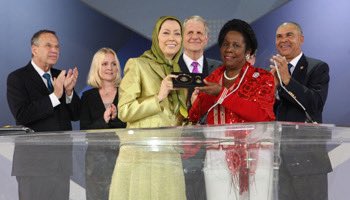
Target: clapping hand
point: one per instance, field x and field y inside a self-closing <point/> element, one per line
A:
<point x="110" y="113"/>
<point x="70" y="80"/>
<point x="58" y="84"/>
<point x="282" y="65"/>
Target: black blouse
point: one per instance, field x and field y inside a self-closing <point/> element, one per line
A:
<point x="92" y="110"/>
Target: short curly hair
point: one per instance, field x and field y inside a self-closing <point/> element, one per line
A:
<point x="242" y="27"/>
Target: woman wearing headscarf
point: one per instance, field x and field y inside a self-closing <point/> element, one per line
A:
<point x="235" y="92"/>
<point x="147" y="99"/>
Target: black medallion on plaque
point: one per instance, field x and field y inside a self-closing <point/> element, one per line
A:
<point x="187" y="80"/>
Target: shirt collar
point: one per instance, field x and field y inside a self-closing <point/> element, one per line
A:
<point x="39" y="70"/>
<point x="189" y="61"/>
<point x="295" y="60"/>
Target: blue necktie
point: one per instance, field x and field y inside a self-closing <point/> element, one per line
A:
<point x="49" y="83"/>
<point x="289" y="67"/>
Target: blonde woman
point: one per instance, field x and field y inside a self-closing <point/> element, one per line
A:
<point x="99" y="103"/>
<point x="99" y="111"/>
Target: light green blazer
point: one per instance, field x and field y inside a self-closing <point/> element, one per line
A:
<point x="138" y="103"/>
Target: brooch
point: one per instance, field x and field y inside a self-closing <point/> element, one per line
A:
<point x="256" y="75"/>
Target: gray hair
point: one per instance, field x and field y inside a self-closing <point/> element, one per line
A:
<point x="295" y="24"/>
<point x="35" y="37"/>
<point x="197" y="18"/>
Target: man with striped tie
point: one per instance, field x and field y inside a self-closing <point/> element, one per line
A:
<point x="43" y="99"/>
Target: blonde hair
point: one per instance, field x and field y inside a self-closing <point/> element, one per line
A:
<point x="94" y="78"/>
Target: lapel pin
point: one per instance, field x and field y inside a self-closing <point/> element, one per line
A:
<point x="302" y="67"/>
<point x="256" y="74"/>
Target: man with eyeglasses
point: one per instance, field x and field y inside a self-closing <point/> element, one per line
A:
<point x="43" y="99"/>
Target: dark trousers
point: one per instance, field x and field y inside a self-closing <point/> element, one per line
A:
<point x="302" y="187"/>
<point x="99" y="166"/>
<point x="43" y="187"/>
<point x="194" y="176"/>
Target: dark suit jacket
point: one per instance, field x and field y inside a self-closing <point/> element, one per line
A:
<point x="309" y="84"/>
<point x="209" y="65"/>
<point x="304" y="168"/>
<point x="29" y="102"/>
<point x="92" y="111"/>
<point x="194" y="177"/>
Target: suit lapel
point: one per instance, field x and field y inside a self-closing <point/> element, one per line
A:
<point x="300" y="70"/>
<point x="36" y="79"/>
<point x="183" y="65"/>
<point x="205" y="67"/>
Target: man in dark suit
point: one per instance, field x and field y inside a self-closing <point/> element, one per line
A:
<point x="303" y="173"/>
<point x="43" y="99"/>
<point x="195" y="39"/>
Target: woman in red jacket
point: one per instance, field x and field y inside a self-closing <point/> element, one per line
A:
<point x="235" y="92"/>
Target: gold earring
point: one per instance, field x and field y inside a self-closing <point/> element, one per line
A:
<point x="247" y="57"/>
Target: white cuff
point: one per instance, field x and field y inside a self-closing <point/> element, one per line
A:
<point x="54" y="100"/>
<point x="69" y="98"/>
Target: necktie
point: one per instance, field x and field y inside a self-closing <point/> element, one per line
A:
<point x="289" y="67"/>
<point x="48" y="80"/>
<point x="195" y="67"/>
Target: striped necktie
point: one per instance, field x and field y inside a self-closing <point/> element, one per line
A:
<point x="49" y="83"/>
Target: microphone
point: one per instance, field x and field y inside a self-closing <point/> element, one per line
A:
<point x="308" y="117"/>
<point x="203" y="119"/>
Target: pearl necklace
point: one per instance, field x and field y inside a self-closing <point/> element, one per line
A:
<point x="228" y="78"/>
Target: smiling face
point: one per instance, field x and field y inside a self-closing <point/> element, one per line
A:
<point x="289" y="40"/>
<point x="109" y="68"/>
<point x="233" y="50"/>
<point x="170" y="38"/>
<point x="195" y="36"/>
<point x="46" y="51"/>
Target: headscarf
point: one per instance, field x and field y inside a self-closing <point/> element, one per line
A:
<point x="156" y="54"/>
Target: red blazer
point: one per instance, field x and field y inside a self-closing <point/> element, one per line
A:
<point x="252" y="102"/>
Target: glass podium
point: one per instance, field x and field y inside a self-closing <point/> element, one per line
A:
<point x="241" y="161"/>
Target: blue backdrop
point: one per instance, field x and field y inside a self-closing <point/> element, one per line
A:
<point x="82" y="31"/>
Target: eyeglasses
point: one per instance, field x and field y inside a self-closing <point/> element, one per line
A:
<point x="48" y="46"/>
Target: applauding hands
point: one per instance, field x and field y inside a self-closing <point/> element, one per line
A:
<point x="65" y="82"/>
<point x="110" y="113"/>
